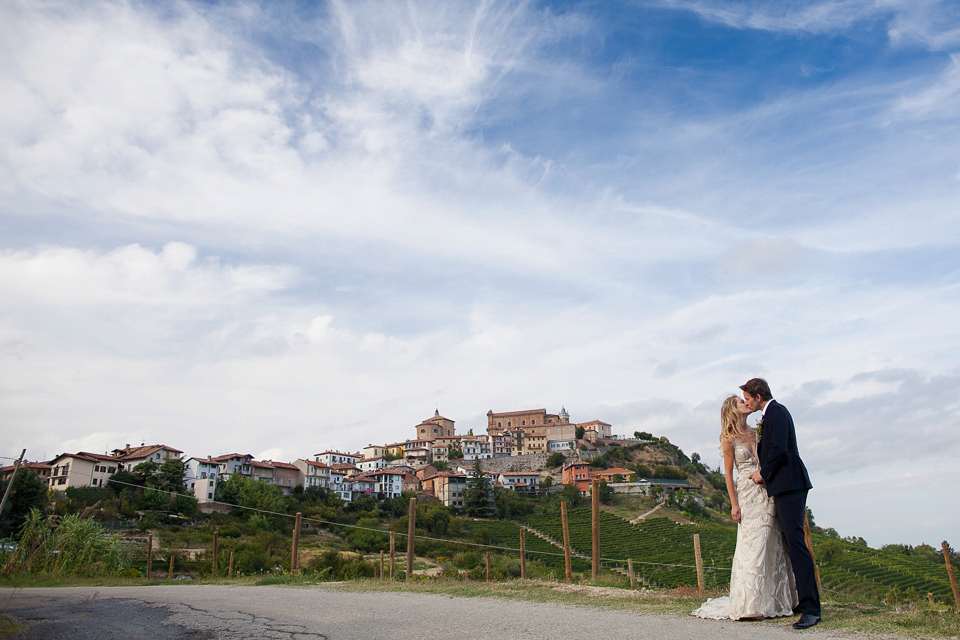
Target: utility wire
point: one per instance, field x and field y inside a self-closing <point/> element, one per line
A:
<point x="397" y="533"/>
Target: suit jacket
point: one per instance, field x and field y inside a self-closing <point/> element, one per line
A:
<point x="780" y="463"/>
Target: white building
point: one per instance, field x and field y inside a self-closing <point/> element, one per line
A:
<point x="389" y="484"/>
<point x="520" y="480"/>
<point x="313" y="474"/>
<point x="331" y="458"/>
<point x="200" y="476"/>
<point x="474" y="448"/>
<point x="367" y="465"/>
<point x="231" y="463"/>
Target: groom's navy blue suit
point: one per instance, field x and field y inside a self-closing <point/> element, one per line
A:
<point x="787" y="481"/>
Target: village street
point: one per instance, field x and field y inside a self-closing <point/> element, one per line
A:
<point x="229" y="612"/>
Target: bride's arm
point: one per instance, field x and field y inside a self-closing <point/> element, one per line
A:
<point x="728" y="456"/>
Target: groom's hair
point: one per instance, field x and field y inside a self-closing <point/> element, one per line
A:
<point x="758" y="387"/>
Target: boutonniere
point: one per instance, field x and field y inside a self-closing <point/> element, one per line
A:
<point x="759" y="430"/>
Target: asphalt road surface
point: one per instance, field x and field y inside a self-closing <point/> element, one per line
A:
<point x="199" y="612"/>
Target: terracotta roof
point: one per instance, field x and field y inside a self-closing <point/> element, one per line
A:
<point x="229" y="456"/>
<point x="518" y="413"/>
<point x="284" y="465"/>
<point x="27" y="465"/>
<point x="142" y="451"/>
<point x="313" y="463"/>
<point x="614" y="471"/>
<point x="94" y="456"/>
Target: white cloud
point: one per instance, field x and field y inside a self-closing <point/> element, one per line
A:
<point x="815" y="17"/>
<point x="220" y="249"/>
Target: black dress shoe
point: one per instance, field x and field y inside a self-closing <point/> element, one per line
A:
<point x="806" y="621"/>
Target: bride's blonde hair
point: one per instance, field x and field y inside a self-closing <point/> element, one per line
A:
<point x="731" y="420"/>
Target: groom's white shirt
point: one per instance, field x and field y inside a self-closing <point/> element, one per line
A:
<point x="763" y="412"/>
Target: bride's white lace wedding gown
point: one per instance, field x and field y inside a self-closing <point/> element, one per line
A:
<point x="761" y="582"/>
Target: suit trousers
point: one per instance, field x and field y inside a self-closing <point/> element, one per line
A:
<point x="791" y="507"/>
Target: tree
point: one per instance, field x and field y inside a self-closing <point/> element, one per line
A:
<point x="604" y="492"/>
<point x="580" y="431"/>
<point x="145" y="474"/>
<point x="556" y="459"/>
<point x="247" y="492"/>
<point x="478" y="500"/>
<point x="454" y="452"/>
<point x="170" y="475"/>
<point x="569" y="494"/>
<point x="29" y="492"/>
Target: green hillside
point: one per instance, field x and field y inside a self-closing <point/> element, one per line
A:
<point x="663" y="555"/>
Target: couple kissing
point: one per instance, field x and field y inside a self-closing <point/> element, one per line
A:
<point x="773" y="573"/>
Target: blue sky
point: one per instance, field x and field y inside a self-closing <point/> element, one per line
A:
<point x="278" y="228"/>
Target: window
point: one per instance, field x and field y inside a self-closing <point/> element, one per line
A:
<point x="112" y="470"/>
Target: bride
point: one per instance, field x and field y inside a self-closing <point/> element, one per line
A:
<point x="761" y="581"/>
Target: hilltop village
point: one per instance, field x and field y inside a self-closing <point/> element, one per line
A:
<point x="527" y="451"/>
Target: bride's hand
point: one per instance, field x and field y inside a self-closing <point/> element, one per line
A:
<point x="735" y="514"/>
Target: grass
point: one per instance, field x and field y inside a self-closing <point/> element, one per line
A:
<point x="841" y="614"/>
<point x="8" y="626"/>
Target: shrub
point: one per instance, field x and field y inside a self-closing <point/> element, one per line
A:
<point x="333" y="565"/>
<point x="467" y="560"/>
<point x="556" y="459"/>
<point x="70" y="547"/>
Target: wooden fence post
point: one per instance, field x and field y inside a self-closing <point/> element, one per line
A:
<point x="411" y="529"/>
<point x="488" y="566"/>
<point x="595" y="527"/>
<point x="952" y="576"/>
<point x="393" y="556"/>
<point x="523" y="553"/>
<point x="696" y="552"/>
<point x="382" y="566"/>
<point x="295" y="547"/>
<point x="566" y="543"/>
<point x="149" y="555"/>
<point x="230" y="567"/>
<point x="630" y="569"/>
<point x="216" y="550"/>
<point x="809" y="540"/>
<point x="170" y="570"/>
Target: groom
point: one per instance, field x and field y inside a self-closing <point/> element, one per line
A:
<point x="786" y="479"/>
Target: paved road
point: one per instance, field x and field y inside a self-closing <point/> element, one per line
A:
<point x="200" y="612"/>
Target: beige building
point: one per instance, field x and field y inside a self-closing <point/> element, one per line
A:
<point x="81" y="469"/>
<point x="528" y="418"/>
<point x="435" y="427"/>
<point x="522" y="432"/>
<point x="595" y="430"/>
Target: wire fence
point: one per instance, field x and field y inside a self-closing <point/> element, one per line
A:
<point x="623" y="565"/>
